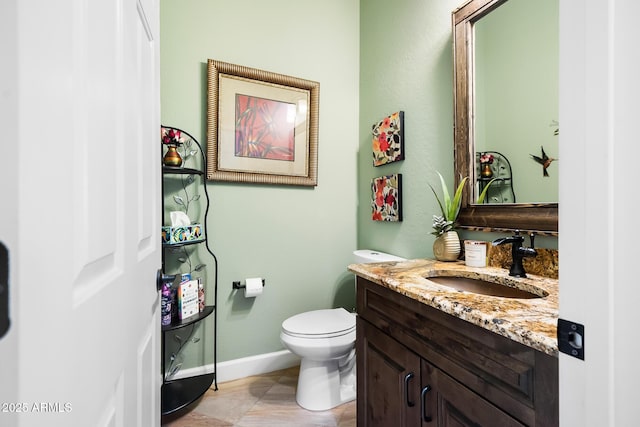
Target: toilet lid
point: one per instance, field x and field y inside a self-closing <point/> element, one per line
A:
<point x="320" y="323"/>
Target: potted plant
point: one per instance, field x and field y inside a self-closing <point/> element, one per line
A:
<point x="447" y="245"/>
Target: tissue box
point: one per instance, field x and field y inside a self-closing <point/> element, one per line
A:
<point x="185" y="233"/>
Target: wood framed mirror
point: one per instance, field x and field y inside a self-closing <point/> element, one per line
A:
<point x="542" y="217"/>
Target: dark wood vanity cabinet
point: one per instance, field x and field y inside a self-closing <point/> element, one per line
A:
<point x="388" y="380"/>
<point x="418" y="366"/>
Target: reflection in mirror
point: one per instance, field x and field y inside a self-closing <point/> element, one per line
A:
<point x="498" y="108"/>
<point x="495" y="177"/>
<point x="516" y="96"/>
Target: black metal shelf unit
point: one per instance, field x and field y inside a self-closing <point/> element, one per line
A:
<point x="180" y="393"/>
<point x="189" y="320"/>
<point x="501" y="189"/>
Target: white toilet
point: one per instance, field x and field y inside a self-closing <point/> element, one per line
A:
<point x="325" y="341"/>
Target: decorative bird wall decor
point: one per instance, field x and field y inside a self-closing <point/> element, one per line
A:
<point x="545" y="161"/>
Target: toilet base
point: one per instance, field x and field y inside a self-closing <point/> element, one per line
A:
<point x="327" y="384"/>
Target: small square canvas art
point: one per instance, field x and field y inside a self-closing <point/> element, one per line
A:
<point x="388" y="139"/>
<point x="386" y="198"/>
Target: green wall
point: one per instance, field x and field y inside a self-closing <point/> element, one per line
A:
<point x="299" y="239"/>
<point x="516" y="77"/>
<point x="372" y="58"/>
<point x="406" y="64"/>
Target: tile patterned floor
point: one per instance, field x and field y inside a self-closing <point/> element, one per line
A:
<point x="265" y="400"/>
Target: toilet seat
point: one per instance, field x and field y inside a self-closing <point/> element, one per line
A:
<point x="318" y="324"/>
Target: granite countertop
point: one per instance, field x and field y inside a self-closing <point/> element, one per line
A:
<point x="532" y="322"/>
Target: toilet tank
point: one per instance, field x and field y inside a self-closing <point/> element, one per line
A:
<point x="365" y="256"/>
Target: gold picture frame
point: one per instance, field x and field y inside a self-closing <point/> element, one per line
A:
<point x="262" y="127"/>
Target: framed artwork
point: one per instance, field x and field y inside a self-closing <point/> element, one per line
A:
<point x="262" y="127"/>
<point x="388" y="139"/>
<point x="386" y="198"/>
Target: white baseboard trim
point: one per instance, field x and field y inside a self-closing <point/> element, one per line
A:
<point x="245" y="367"/>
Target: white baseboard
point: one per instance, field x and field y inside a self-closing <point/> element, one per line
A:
<point x="245" y="367"/>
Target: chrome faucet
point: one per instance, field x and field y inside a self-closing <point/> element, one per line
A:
<point x="518" y="252"/>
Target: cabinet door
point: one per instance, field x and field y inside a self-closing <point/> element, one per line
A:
<point x="447" y="403"/>
<point x="388" y="380"/>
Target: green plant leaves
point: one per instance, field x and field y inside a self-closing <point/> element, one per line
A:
<point x="454" y="208"/>
<point x="450" y="208"/>
<point x="484" y="192"/>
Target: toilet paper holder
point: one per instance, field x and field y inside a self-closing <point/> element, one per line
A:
<point x="238" y="285"/>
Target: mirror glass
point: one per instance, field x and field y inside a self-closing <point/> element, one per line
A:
<point x="506" y="113"/>
<point x="516" y="101"/>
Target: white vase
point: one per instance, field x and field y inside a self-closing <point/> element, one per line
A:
<point x="447" y="246"/>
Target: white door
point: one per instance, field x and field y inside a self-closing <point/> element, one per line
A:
<point x="599" y="280"/>
<point x="80" y="212"/>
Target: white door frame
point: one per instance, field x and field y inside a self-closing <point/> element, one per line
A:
<point x="599" y="154"/>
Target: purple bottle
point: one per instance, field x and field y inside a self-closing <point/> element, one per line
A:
<point x="165" y="305"/>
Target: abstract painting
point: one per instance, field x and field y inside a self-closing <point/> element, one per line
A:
<point x="262" y="127"/>
<point x="386" y="198"/>
<point x="388" y="139"/>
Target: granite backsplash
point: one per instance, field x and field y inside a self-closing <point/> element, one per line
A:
<point x="544" y="264"/>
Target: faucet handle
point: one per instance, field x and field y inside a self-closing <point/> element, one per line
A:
<point x="531" y="237"/>
<point x="518" y="237"/>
